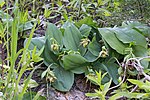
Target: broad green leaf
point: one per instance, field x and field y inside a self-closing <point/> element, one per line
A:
<point x="140" y="51"/>
<point x="53" y="32"/>
<point x="98" y="66"/>
<point x="73" y="61"/>
<point x="66" y="24"/>
<point x="65" y="79"/>
<point x="132" y="24"/>
<point x="88" y="21"/>
<point x="85" y="30"/>
<point x="72" y="38"/>
<point x="90" y="57"/>
<point x="112" y="70"/>
<point x="82" y="50"/>
<point x="48" y="55"/>
<point x="127" y="35"/>
<point x="94" y="47"/>
<point x="142" y="28"/>
<point x="79" y="70"/>
<point x="37" y="41"/>
<point x="112" y="40"/>
<point x="26" y="26"/>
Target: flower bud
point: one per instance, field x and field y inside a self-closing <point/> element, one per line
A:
<point x="84" y="42"/>
<point x="54" y="47"/>
<point x="104" y="52"/>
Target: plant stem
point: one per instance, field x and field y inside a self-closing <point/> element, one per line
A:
<point x="2" y="57"/>
<point x="80" y="4"/>
<point x="134" y="89"/>
<point x="2" y="60"/>
<point x="7" y="31"/>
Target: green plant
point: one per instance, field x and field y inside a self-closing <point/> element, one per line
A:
<point x="72" y="50"/>
<point x="66" y="57"/>
<point x="10" y="86"/>
<point x="134" y="62"/>
<point x="141" y="88"/>
<point x="59" y="11"/>
<point x="103" y="88"/>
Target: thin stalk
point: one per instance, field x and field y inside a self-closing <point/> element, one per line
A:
<point x="2" y="54"/>
<point x="7" y="40"/>
<point x="47" y="91"/>
<point x="20" y="96"/>
<point x="7" y="31"/>
<point x="80" y="4"/>
<point x="24" y="59"/>
<point x="14" y="37"/>
<point x="33" y="6"/>
<point x="2" y="58"/>
<point x="53" y="3"/>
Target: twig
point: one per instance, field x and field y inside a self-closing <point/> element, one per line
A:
<point x="124" y="76"/>
<point x="116" y="60"/>
<point x="138" y="66"/>
<point x="144" y="58"/>
<point x="134" y="89"/>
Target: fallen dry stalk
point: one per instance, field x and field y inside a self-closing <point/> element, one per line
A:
<point x="137" y="65"/>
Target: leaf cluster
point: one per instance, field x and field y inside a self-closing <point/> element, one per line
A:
<point x="82" y="47"/>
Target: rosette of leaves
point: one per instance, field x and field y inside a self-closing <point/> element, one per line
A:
<point x="78" y="48"/>
<point x="75" y="49"/>
<point x="68" y="55"/>
<point x="129" y="35"/>
<point x="128" y="41"/>
<point x="69" y="50"/>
